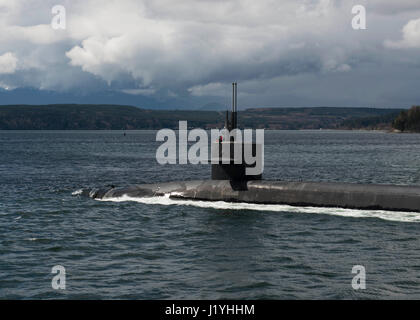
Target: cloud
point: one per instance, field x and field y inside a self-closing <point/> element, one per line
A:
<point x="197" y="42"/>
<point x="8" y="63"/>
<point x="218" y="89"/>
<point x="411" y="36"/>
<point x="392" y="7"/>
<point x="193" y="49"/>
<point x="142" y="92"/>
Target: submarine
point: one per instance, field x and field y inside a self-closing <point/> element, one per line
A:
<point x="230" y="183"/>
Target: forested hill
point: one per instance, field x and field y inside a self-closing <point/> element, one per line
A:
<point x="115" y="117"/>
<point x="408" y="120"/>
<point x="98" y="117"/>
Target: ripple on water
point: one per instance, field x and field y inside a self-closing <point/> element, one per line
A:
<point x="161" y="248"/>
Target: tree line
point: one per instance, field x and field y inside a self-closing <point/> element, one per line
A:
<point x="408" y="120"/>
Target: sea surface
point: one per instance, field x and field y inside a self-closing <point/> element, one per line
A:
<point x="158" y="248"/>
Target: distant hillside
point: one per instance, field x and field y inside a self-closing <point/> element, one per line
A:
<point x="318" y="118"/>
<point x="115" y="117"/>
<point x="381" y="122"/>
<point x="408" y="120"/>
<point x="98" y="117"/>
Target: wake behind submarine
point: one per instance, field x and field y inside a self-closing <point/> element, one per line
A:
<point x="230" y="183"/>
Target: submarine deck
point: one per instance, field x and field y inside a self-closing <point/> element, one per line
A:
<point x="316" y="194"/>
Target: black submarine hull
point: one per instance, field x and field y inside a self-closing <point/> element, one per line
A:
<point x="315" y="194"/>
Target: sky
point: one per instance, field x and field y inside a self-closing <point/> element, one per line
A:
<point x="186" y="54"/>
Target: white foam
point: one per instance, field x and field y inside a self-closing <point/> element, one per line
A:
<point x="221" y="205"/>
<point x="77" y="192"/>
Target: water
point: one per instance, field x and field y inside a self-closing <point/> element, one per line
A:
<point x="158" y="248"/>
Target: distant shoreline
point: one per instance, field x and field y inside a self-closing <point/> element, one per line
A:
<point x="132" y="130"/>
<point x="116" y="117"/>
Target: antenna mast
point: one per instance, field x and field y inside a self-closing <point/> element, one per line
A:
<point x="234" y="119"/>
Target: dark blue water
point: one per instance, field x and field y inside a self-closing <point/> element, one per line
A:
<point x="175" y="250"/>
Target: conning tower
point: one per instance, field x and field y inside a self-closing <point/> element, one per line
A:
<point x="223" y="162"/>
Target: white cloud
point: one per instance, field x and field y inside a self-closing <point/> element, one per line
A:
<point x="8" y="63"/>
<point x="411" y="36"/>
<point x="38" y="35"/>
<point x="145" y="92"/>
<point x="159" y="43"/>
<point x="192" y="47"/>
<point x="218" y="89"/>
